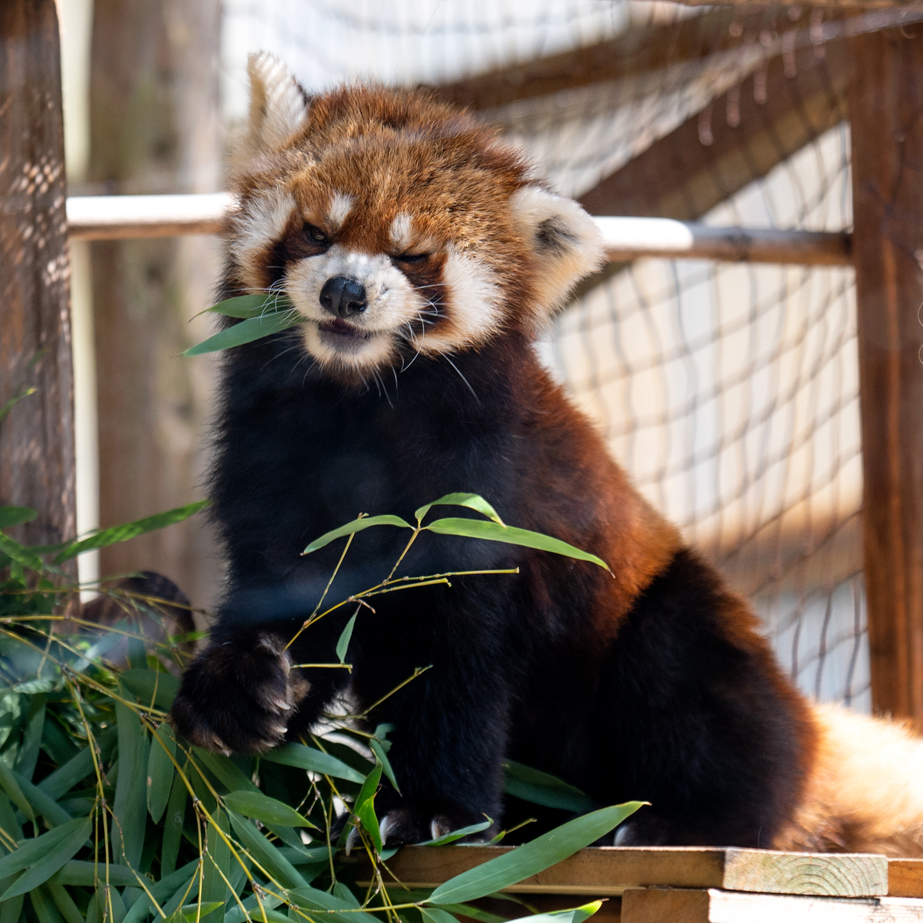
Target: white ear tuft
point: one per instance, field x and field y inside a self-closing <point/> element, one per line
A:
<point x="278" y="104"/>
<point x="565" y="242"/>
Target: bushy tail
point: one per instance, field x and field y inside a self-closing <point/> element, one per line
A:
<point x="864" y="792"/>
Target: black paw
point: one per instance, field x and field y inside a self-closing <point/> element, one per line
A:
<point x="406" y="824"/>
<point x="238" y="697"/>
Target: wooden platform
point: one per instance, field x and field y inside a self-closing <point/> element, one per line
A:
<point x="691" y="885"/>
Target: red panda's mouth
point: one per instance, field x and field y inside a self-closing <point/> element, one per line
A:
<point x="339" y="328"/>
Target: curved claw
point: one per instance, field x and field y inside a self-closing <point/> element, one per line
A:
<point x="352" y="839"/>
<point x="385" y="826"/>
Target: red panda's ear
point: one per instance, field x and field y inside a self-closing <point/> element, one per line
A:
<point x="565" y="243"/>
<point x="278" y="106"/>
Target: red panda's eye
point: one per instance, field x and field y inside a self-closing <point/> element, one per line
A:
<point x="412" y="258"/>
<point x="316" y="235"/>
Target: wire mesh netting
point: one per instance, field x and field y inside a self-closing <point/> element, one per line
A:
<point x="728" y="391"/>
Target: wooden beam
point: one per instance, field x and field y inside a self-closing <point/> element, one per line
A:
<point x="637" y="50"/>
<point x="658" y="905"/>
<point x="37" y="433"/>
<point x="885" y="102"/>
<point x="832" y="5"/>
<point x="129" y="217"/>
<point x="739" y="138"/>
<point x="611" y="870"/>
<point x="905" y="877"/>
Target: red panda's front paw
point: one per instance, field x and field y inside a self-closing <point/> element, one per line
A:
<point x="407" y="824"/>
<point x="238" y="697"/>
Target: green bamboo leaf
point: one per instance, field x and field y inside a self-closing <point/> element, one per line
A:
<point x="42" y="857"/>
<point x="79" y="872"/>
<point x="15" y="516"/>
<point x="447" y="838"/>
<point x="364" y="808"/>
<point x="8" y="821"/>
<point x="173" y="826"/>
<point x="10" y="785"/>
<point x="436" y="915"/>
<point x="160" y="892"/>
<point x="63" y="901"/>
<point x="11" y="910"/>
<point x="44" y="906"/>
<point x="346" y="634"/>
<point x="265" y="809"/>
<point x="544" y="789"/>
<point x="151" y="687"/>
<point x="379" y="751"/>
<point x="266" y="853"/>
<point x="491" y="532"/>
<point x="130" y="803"/>
<point x="107" y="537"/>
<point x="42" y="805"/>
<point x="309" y="898"/>
<point x="76" y="769"/>
<point x="357" y="525"/>
<point x="225" y="770"/>
<point x="532" y="858"/>
<point x="244" y="306"/>
<point x="32" y="737"/>
<point x="471" y="501"/>
<point x="160" y="771"/>
<point x="573" y="915"/>
<point x="246" y="331"/>
<point x="217" y="868"/>
<point x="302" y="757"/>
<point x="20" y="554"/>
<point x="192" y="912"/>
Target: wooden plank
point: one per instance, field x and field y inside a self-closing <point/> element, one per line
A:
<point x="885" y="101"/>
<point x="37" y="434"/>
<point x="637" y="50"/>
<point x="712" y="155"/>
<point x="657" y="905"/>
<point x="610" y="870"/>
<point x="905" y="877"/>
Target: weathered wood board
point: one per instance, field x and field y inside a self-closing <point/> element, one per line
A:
<point x="668" y="905"/>
<point x="610" y="871"/>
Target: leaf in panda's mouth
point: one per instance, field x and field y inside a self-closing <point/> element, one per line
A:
<point x="260" y="315"/>
<point x="339" y="327"/>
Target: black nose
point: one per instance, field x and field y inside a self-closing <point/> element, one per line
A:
<point x="343" y="297"/>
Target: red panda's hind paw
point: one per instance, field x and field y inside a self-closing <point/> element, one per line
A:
<point x="406" y="825"/>
<point x="238" y="698"/>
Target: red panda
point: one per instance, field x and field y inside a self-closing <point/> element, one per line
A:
<point x="424" y="256"/>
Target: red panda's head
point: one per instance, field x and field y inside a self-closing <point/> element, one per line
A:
<point x="395" y="224"/>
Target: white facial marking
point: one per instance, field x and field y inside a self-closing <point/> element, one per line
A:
<point x="392" y="304"/>
<point x="565" y="240"/>
<point x="473" y="297"/>
<point x="257" y="226"/>
<point x="340" y="206"/>
<point x="401" y="232"/>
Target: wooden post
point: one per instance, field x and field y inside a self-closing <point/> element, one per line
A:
<point x="37" y="432"/>
<point x="885" y="106"/>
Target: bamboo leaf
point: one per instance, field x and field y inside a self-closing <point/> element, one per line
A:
<point x="357" y="525"/>
<point x="302" y="757"/>
<point x="107" y="537"/>
<point x="10" y="785"/>
<point x="573" y="915"/>
<point x="346" y="634"/>
<point x="32" y="737"/>
<point x="130" y="805"/>
<point x="437" y="915"/>
<point x="491" y="532"/>
<point x="312" y="899"/>
<point x="544" y="789"/>
<point x="217" y="867"/>
<point x="246" y="331"/>
<point x="244" y="306"/>
<point x="63" y="901"/>
<point x="265" y="809"/>
<point x="266" y="853"/>
<point x="364" y="808"/>
<point x="15" y="516"/>
<point x="152" y="688"/>
<point x="44" y="907"/>
<point x="42" y="805"/>
<point x="173" y="826"/>
<point x="43" y="856"/>
<point x="471" y="501"/>
<point x="160" y="771"/>
<point x="379" y="751"/>
<point x="20" y="554"/>
<point x="65" y="777"/>
<point x="447" y="838"/>
<point x="532" y="858"/>
<point x="78" y="872"/>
